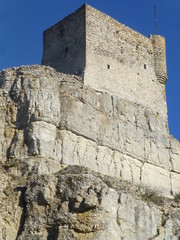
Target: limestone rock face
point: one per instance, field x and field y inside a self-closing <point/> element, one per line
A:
<point x="80" y="164"/>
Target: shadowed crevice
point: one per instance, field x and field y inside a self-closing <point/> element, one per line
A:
<point x="53" y="233"/>
<point x="22" y="204"/>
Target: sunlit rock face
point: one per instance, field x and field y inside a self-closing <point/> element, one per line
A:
<point x="77" y="163"/>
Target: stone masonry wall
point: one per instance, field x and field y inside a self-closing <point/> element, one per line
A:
<point x="123" y="61"/>
<point x="64" y="44"/>
<point x="126" y="63"/>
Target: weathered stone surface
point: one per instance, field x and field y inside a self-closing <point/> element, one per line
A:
<point x="50" y="121"/>
<point x="118" y="136"/>
<point x="76" y="203"/>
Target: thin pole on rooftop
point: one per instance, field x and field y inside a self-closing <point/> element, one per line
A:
<point x="155" y="18"/>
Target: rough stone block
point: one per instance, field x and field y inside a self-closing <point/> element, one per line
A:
<point x="138" y="216"/>
<point x="175" y="180"/>
<point x="41" y="140"/>
<point x="156" y="178"/>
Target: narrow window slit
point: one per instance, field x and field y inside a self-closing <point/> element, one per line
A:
<point x="62" y="32"/>
<point x="108" y="66"/>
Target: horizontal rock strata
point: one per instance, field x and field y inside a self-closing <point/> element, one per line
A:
<point x="51" y="124"/>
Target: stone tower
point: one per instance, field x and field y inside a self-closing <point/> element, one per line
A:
<point x="110" y="57"/>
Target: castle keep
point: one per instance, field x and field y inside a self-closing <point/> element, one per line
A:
<point x="109" y="56"/>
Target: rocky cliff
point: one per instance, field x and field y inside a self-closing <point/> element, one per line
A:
<point x="76" y="163"/>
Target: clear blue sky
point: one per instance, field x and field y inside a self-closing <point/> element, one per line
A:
<point x="22" y="23"/>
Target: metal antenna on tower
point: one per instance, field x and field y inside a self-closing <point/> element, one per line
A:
<point x="155" y="18"/>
